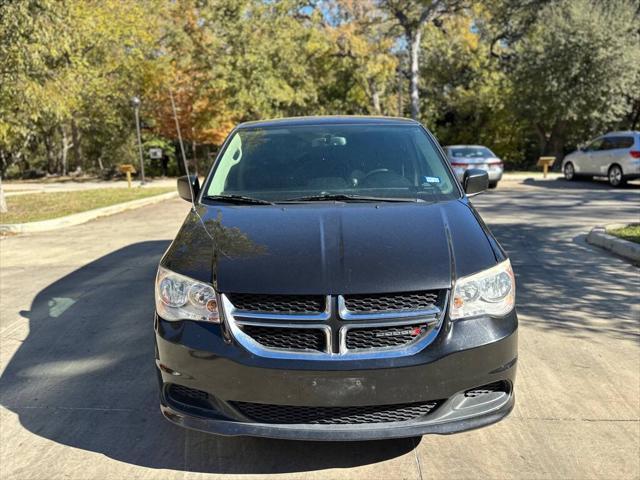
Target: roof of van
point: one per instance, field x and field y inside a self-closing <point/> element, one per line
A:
<point x="623" y="132"/>
<point x="329" y="120"/>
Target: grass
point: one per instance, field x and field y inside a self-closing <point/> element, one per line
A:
<point x="631" y="232"/>
<point x="45" y="206"/>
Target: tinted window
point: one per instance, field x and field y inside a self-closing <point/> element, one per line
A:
<point x="595" y="145"/>
<point x="608" y="144"/>
<point x="470" y="152"/>
<point x="621" y="142"/>
<point x="277" y="164"/>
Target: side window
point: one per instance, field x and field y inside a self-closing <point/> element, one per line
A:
<point x="595" y="145"/>
<point x="609" y="143"/>
<point x="623" y="142"/>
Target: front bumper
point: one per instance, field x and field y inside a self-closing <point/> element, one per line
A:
<point x="466" y="355"/>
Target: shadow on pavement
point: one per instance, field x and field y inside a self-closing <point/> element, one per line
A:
<point x="587" y="185"/>
<point x="566" y="285"/>
<point x="85" y="377"/>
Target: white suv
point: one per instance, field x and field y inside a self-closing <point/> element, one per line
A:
<point x="615" y="155"/>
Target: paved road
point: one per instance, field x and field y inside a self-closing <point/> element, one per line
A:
<point x="78" y="391"/>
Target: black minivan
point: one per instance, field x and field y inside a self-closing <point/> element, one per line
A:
<point x="333" y="282"/>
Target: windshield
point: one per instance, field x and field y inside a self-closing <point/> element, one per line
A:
<point x="471" y="152"/>
<point x="344" y="161"/>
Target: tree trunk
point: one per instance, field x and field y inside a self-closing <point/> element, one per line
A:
<point x="414" y="43"/>
<point x="542" y="138"/>
<point x="3" y="163"/>
<point x="552" y="143"/>
<point x="3" y="202"/>
<point x="64" y="150"/>
<point x="375" y="97"/>
<point x="400" y="102"/>
<point x="75" y="138"/>
<point x="48" y="146"/>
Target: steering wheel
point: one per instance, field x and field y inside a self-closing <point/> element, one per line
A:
<point x="374" y="172"/>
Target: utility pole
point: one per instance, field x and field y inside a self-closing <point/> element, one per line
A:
<point x="135" y="101"/>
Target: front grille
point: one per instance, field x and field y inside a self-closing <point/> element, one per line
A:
<point x="287" y="338"/>
<point x="265" y="413"/>
<point x="380" y="337"/>
<point x="390" y="302"/>
<point x="188" y="396"/>
<point x="335" y="324"/>
<point x="286" y="304"/>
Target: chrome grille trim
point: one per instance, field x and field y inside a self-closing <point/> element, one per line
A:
<point x="259" y="349"/>
<point x="407" y="348"/>
<point x="348" y="315"/>
<point x="235" y="319"/>
<point x="280" y="304"/>
<point x="317" y="317"/>
<point x="433" y="318"/>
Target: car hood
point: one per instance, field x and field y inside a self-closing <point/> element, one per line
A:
<point x="333" y="248"/>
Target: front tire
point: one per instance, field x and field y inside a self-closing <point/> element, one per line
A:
<point x="493" y="184"/>
<point x="615" y="176"/>
<point x="569" y="171"/>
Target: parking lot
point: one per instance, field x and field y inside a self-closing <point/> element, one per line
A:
<point x="78" y="387"/>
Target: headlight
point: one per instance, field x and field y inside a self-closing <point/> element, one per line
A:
<point x="490" y="292"/>
<point x="183" y="298"/>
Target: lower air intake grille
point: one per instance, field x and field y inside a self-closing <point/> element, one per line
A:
<point x="189" y="396"/>
<point x="380" y="337"/>
<point x="390" y="302"/>
<point x="264" y="413"/>
<point x="487" y="389"/>
<point x="287" y="304"/>
<point x="288" y="338"/>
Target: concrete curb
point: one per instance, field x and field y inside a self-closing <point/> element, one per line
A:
<point x="83" y="217"/>
<point x="598" y="236"/>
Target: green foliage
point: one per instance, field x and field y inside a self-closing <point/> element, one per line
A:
<point x="521" y="76"/>
<point x="577" y="71"/>
<point x="630" y="232"/>
<point x="468" y="91"/>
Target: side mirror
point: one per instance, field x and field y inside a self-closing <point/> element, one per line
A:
<point x="475" y="181"/>
<point x="183" y="187"/>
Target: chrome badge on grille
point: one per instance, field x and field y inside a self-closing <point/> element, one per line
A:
<point x="413" y="331"/>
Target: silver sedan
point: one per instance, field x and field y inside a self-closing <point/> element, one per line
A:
<point x="465" y="157"/>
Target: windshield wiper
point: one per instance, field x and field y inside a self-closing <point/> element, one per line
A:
<point x="238" y="199"/>
<point x="343" y="197"/>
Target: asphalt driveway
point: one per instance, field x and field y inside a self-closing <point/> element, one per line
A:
<point x="78" y="393"/>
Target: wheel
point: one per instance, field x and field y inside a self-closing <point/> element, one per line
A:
<point x="569" y="171"/>
<point x="493" y="184"/>
<point x="615" y="176"/>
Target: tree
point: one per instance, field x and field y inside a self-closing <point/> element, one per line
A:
<point x="359" y="65"/>
<point x="413" y="15"/>
<point x="3" y="202"/>
<point x="575" y="71"/>
<point x="71" y="67"/>
<point x="469" y="92"/>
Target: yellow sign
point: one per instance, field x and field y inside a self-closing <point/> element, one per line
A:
<point x="128" y="169"/>
<point x="546" y="163"/>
